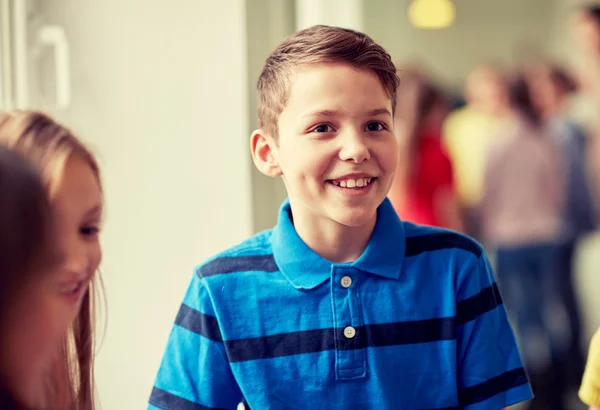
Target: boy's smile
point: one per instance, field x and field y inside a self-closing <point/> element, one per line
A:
<point x="336" y="149"/>
<point x="354" y="184"/>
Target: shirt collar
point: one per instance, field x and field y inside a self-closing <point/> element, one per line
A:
<point x="305" y="269"/>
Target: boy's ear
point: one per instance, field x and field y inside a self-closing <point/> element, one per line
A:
<point x="263" y="153"/>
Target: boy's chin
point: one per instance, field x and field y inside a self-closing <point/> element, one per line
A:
<point x="355" y="218"/>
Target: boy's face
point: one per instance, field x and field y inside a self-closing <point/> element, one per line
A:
<point x="336" y="151"/>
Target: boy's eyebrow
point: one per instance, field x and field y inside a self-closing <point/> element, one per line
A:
<point x="321" y="113"/>
<point x="379" y="111"/>
<point x="333" y="113"/>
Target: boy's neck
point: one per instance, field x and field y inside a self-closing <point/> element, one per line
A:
<point x="331" y="240"/>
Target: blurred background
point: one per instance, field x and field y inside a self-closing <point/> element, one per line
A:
<point x="164" y="94"/>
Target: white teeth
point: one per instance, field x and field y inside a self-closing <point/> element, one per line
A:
<point x="353" y="183"/>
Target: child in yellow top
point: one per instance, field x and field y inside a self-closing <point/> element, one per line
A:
<point x="589" y="392"/>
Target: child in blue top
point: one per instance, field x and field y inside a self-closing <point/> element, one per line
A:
<point x="341" y="305"/>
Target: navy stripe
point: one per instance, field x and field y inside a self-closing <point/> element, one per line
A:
<point x="438" y="241"/>
<point x="470" y="308"/>
<point x="318" y="340"/>
<point x="492" y="387"/>
<point x="167" y="401"/>
<point x="232" y="264"/>
<point x="403" y="333"/>
<point x="284" y="344"/>
<point x="197" y="322"/>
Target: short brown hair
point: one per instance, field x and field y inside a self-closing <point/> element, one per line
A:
<point x="315" y="45"/>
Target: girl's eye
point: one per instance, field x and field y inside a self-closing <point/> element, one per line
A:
<point x="89" y="230"/>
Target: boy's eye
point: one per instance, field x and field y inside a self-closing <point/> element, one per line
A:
<point x="375" y="126"/>
<point x="323" y="128"/>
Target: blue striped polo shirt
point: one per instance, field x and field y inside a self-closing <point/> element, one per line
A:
<point x="416" y="322"/>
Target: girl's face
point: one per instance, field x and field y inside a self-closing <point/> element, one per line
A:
<point x="50" y="305"/>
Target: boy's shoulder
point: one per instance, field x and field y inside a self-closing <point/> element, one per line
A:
<point x="252" y="254"/>
<point x="255" y="254"/>
<point x="429" y="239"/>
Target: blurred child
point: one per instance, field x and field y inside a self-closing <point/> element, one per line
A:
<point x="584" y="108"/>
<point x="552" y="87"/>
<point x="521" y="214"/>
<point x="467" y="135"/>
<point x="589" y="392"/>
<point x="423" y="191"/>
<point x="63" y="310"/>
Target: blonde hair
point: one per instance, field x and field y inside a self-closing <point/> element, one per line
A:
<point x="48" y="145"/>
<point x="317" y="45"/>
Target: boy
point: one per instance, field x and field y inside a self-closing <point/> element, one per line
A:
<point x="341" y="305"/>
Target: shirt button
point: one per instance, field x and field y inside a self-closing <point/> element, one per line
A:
<point x="349" y="332"/>
<point x="346" y="281"/>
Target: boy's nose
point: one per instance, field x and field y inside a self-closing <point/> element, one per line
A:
<point x="354" y="149"/>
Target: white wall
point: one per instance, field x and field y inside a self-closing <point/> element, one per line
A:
<point x="341" y="13"/>
<point x="160" y="92"/>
